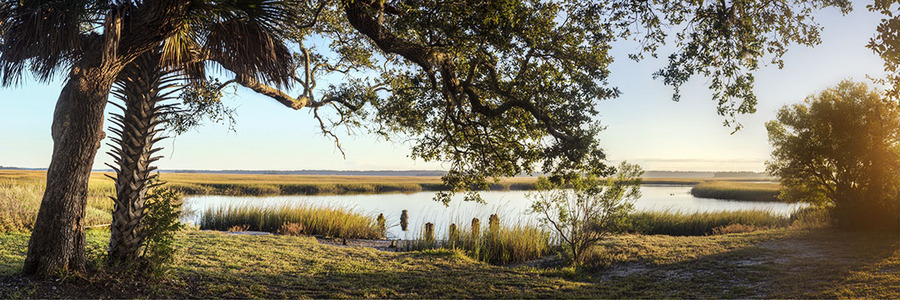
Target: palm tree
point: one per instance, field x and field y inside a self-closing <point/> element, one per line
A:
<point x="141" y="88"/>
<point x="93" y="41"/>
<point x="252" y="50"/>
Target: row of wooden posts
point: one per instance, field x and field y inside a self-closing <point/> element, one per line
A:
<point x="493" y="223"/>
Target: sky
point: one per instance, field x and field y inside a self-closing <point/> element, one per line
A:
<point x="643" y="125"/>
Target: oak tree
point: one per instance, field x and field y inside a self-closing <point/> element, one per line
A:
<point x="840" y="149"/>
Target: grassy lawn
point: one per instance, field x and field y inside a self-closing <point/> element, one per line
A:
<point x="783" y="263"/>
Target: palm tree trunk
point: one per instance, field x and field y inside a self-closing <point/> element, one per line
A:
<point x="57" y="241"/>
<point x="139" y="87"/>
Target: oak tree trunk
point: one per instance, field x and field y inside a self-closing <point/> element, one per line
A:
<point x="57" y="241"/>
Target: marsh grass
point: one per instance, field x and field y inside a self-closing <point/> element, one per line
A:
<point x="741" y="191"/>
<point x="340" y="222"/>
<point x="275" y="184"/>
<point x="703" y="223"/>
<point x="20" y="199"/>
<point x="18" y="206"/>
<point x="499" y="245"/>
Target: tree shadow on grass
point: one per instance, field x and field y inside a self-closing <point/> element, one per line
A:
<point x="798" y="264"/>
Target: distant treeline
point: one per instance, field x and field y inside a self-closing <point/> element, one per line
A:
<point x="429" y="173"/>
<point x="740" y="174"/>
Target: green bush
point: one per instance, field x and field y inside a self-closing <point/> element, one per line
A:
<point x="584" y="209"/>
<point x="160" y="224"/>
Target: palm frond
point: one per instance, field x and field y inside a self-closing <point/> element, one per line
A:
<point x="249" y="50"/>
<point x="269" y="15"/>
<point x="42" y="35"/>
<point x="181" y="51"/>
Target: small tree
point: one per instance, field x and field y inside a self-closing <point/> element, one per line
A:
<point x="840" y="150"/>
<point x="584" y="209"/>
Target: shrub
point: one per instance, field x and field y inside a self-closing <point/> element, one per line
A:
<point x="160" y="224"/>
<point x="590" y="209"/>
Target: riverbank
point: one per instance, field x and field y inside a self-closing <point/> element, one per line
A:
<point x="783" y="263"/>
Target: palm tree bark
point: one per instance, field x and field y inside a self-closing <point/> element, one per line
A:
<point x="57" y="241"/>
<point x="141" y="87"/>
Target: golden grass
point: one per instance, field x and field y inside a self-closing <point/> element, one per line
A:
<point x="742" y="191"/>
<point x="337" y="222"/>
<point x="702" y="223"/>
<point x="499" y="245"/>
<point x="21" y="193"/>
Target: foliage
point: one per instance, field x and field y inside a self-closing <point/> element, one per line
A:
<point x="500" y="88"/>
<point x="159" y="226"/>
<point x="727" y="41"/>
<point x="314" y="220"/>
<point x="200" y="100"/>
<point x="741" y="191"/>
<point x="886" y="43"/>
<point x="592" y="208"/>
<point x="701" y="223"/>
<point x="840" y="150"/>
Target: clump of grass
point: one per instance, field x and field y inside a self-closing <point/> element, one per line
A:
<point x="496" y="244"/>
<point x="701" y="223"/>
<point x="316" y="220"/>
<point x="737" y="228"/>
<point x="238" y="228"/>
<point x="18" y="206"/>
<point x="740" y="191"/>
<point x="811" y="217"/>
<point x="294" y="229"/>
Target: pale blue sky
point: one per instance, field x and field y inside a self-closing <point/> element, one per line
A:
<point x="643" y="125"/>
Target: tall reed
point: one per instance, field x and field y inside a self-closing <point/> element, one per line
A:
<point x="701" y="223"/>
<point x="496" y="244"/>
<point x="740" y="191"/>
<point x="18" y="206"/>
<point x="337" y="222"/>
<point x="21" y="198"/>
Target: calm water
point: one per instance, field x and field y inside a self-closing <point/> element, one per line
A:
<point x="512" y="206"/>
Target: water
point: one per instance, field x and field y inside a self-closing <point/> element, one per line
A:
<point x="511" y="206"/>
